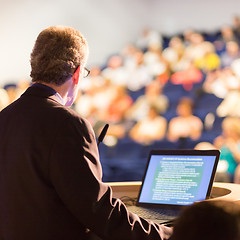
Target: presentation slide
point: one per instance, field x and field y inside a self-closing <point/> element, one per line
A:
<point x="177" y="180"/>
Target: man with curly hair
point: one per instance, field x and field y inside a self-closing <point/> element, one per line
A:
<point x="50" y="172"/>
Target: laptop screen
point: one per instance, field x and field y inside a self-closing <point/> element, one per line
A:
<point x="178" y="177"/>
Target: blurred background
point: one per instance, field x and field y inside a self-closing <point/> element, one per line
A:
<point x="107" y="24"/>
<point x="164" y="74"/>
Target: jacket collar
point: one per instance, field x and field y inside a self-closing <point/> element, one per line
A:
<point x="41" y="90"/>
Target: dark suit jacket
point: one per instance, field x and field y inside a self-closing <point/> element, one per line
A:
<point x="50" y="177"/>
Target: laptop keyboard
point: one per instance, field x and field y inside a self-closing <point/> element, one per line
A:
<point x="155" y="213"/>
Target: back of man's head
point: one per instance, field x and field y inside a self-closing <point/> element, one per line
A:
<point x="209" y="220"/>
<point x="57" y="53"/>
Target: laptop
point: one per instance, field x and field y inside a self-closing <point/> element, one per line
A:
<point x="172" y="180"/>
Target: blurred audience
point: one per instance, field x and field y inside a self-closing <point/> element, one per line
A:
<point x="134" y="90"/>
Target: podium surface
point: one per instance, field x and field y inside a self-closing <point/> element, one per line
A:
<point x="220" y="191"/>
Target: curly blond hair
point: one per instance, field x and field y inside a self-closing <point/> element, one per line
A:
<point x="57" y="52"/>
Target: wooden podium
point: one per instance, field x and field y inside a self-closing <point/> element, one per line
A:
<point x="220" y="191"/>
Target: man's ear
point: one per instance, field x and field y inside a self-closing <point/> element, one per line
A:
<point x="76" y="75"/>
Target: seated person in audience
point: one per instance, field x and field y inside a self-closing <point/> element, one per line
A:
<point x="139" y="75"/>
<point x="221" y="175"/>
<point x="151" y="128"/>
<point x="115" y="114"/>
<point x="195" y="50"/>
<point x="236" y="178"/>
<point x="186" y="35"/>
<point x="154" y="61"/>
<point x="209" y="60"/>
<point x="226" y="35"/>
<point x="221" y="82"/>
<point x="116" y="71"/>
<point x="149" y="37"/>
<point x="118" y="106"/>
<point x="229" y="144"/>
<point x="174" y="52"/>
<point x="236" y="26"/>
<point x="230" y="106"/>
<point x="187" y="77"/>
<point x="153" y="96"/>
<point x="208" y="220"/>
<point x="235" y="66"/>
<point x="185" y="125"/>
<point x="95" y="98"/>
<point x="232" y="53"/>
<point x="128" y="55"/>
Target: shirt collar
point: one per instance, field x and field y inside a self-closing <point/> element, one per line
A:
<point x="59" y="97"/>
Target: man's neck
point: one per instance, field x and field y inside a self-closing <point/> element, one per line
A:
<point x="62" y="90"/>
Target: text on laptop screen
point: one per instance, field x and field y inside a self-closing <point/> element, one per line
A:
<point x="177" y="180"/>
